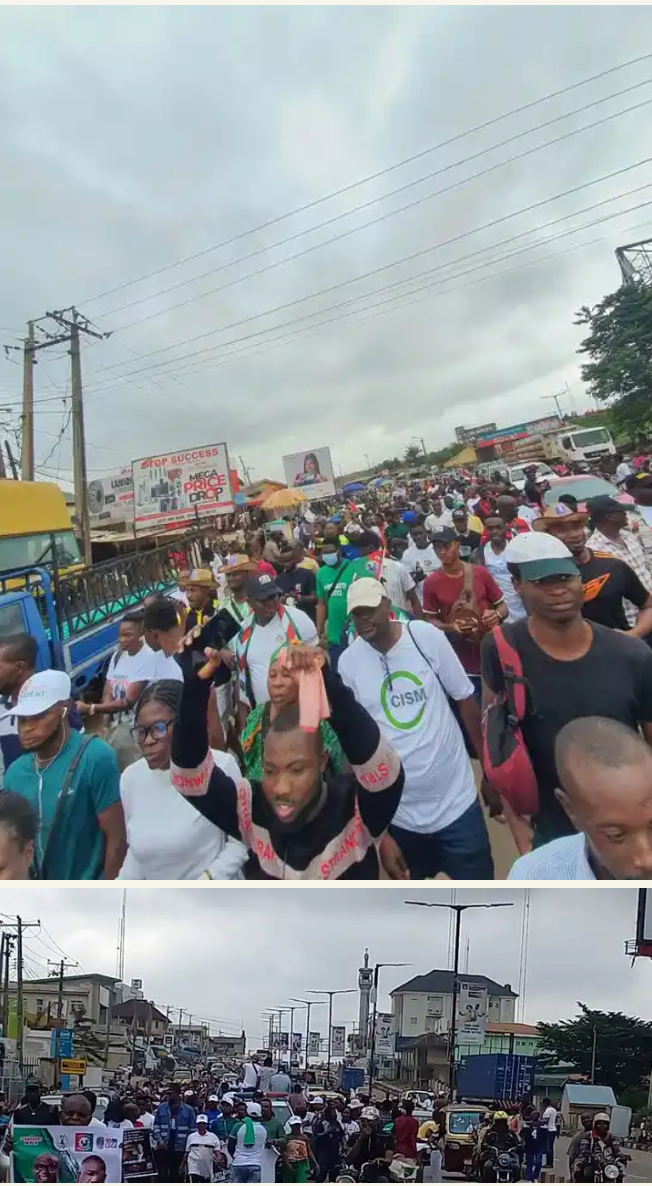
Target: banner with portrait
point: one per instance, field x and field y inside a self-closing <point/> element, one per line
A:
<point x="66" y="1154"/>
<point x="138" y="1163"/>
<point x="310" y="472"/>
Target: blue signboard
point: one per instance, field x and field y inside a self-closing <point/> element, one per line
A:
<point x="64" y="1049"/>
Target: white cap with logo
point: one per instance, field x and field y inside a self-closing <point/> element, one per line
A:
<point x="39" y="693"/>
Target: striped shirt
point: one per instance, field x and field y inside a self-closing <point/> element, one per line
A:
<point x="629" y="549"/>
<point x="397" y="581"/>
<point x="561" y="860"/>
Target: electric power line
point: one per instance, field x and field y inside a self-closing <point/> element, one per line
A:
<point x="374" y="176"/>
<point x="363" y="276"/>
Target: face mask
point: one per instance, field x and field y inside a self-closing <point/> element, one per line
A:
<point x="331" y="559"/>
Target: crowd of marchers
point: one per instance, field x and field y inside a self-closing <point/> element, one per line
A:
<point x="352" y="697"/>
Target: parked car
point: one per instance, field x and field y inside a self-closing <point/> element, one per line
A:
<point x="516" y="473"/>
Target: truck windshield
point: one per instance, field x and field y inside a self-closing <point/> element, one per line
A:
<point x="590" y="436"/>
<point x="21" y="551"/>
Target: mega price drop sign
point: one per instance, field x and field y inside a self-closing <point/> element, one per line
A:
<point x="177" y="489"/>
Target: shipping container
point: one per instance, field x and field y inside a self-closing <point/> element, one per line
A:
<point x="495" y="1077"/>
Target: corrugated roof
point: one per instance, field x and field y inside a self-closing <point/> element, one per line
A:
<point x="512" y="1027"/>
<point x="442" y="981"/>
<point x="588" y="1093"/>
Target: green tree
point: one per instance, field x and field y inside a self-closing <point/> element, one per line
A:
<point x="623" y="1047"/>
<point x="618" y="347"/>
<point x="413" y="454"/>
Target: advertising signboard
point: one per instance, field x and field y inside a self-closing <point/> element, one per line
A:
<point x="178" y="489"/>
<point x="338" y="1041"/>
<point x="471" y="1018"/>
<point x="111" y="499"/>
<point x="310" y="472"/>
<point x="384" y="1041"/>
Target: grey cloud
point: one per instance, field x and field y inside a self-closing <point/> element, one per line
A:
<point x="133" y="137"/>
<point x="230" y="954"/>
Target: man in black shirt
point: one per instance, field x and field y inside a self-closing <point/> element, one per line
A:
<point x="32" y="1111"/>
<point x="469" y="540"/>
<point x="530" y="489"/>
<point x="606" y="580"/>
<point x="572" y="668"/>
<point x="298" y="583"/>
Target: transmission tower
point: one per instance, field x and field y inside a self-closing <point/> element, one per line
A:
<point x="635" y="262"/>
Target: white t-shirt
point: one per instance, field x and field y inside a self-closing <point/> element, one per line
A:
<point x="163" y="666"/>
<point x="411" y="707"/>
<point x="496" y="564"/>
<point x="529" y="513"/>
<point x="147" y="1119"/>
<point x="424" y="558"/>
<point x="166" y="837"/>
<point x="435" y="522"/>
<point x="550" y="1118"/>
<point x="200" y="1153"/>
<point x="623" y="471"/>
<point x="250" y="1154"/>
<point x="125" y="669"/>
<point x="264" y="641"/>
<point x="250" y="1073"/>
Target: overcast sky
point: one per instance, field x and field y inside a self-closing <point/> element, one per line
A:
<point x="231" y="954"/>
<point x="132" y="138"/>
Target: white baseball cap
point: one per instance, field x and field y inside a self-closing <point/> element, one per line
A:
<point x="201" y="1119"/>
<point x="39" y="693"/>
<point x="365" y="593"/>
<point x="539" y="554"/>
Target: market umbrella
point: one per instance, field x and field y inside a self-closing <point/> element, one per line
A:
<point x="351" y="486"/>
<point x="281" y="499"/>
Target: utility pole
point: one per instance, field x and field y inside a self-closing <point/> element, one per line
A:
<point x="9" y="941"/>
<point x="19" y="992"/>
<point x="61" y="966"/>
<point x="458" y="910"/>
<point x="372" y="1043"/>
<point x="79" y="442"/>
<point x="3" y="470"/>
<point x="27" y="438"/>
<point x="594" y="1051"/>
<point x="245" y="469"/>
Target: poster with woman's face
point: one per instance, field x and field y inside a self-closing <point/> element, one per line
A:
<point x="311" y="472"/>
<point x="66" y="1154"/>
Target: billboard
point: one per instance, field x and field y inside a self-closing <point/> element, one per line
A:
<point x="281" y="1041"/>
<point x="338" y="1041"/>
<point x="111" y="499"/>
<point x="528" y="428"/>
<point x="466" y="436"/>
<point x="297" y="1043"/>
<point x="384" y="1040"/>
<point x="644" y="923"/>
<point x="310" y="472"/>
<point x="178" y="489"/>
<point x="471" y="1019"/>
<point x="314" y="1043"/>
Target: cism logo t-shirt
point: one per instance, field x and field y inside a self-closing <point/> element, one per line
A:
<point x="406" y="692"/>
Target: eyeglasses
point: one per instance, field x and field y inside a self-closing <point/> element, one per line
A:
<point x="157" y="731"/>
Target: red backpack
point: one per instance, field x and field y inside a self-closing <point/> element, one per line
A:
<point x="507" y="762"/>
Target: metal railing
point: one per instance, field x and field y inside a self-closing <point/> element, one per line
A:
<point x="96" y="594"/>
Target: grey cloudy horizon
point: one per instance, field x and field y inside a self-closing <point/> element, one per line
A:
<point x="132" y="137"/>
<point x="231" y="954"/>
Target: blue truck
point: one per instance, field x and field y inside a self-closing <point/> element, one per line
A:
<point x="75" y="618"/>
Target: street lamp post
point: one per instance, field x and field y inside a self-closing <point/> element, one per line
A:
<point x="307" y="1006"/>
<point x="458" y="909"/>
<point x="330" y="993"/>
<point x="269" y="1018"/>
<point x="372" y="1042"/>
<point x="422" y="443"/>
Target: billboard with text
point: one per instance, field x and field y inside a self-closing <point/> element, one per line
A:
<point x="181" y="488"/>
<point x="111" y="499"/>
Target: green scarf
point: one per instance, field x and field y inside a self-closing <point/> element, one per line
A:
<point x="250" y="1136"/>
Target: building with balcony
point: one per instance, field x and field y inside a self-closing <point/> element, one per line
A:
<point x="424" y="1004"/>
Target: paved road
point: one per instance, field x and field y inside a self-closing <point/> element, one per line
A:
<point x="639" y="1168"/>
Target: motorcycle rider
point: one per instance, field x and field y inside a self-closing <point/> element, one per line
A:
<point x="373" y="1144"/>
<point x="586" y="1120"/>
<point x="499" y="1139"/>
<point x="596" y="1145"/>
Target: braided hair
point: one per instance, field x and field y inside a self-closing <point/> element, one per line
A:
<point x="167" y="692"/>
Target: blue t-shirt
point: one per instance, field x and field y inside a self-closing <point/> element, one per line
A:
<point x="77" y="849"/>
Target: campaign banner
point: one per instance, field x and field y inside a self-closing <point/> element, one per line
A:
<point x="297" y="1043"/>
<point x="178" y="489"/>
<point x="111" y="499"/>
<point x="314" y="1043"/>
<point x="471" y="1020"/>
<point x="338" y="1041"/>
<point x="384" y="1039"/>
<point x="310" y="472"/>
<point x="65" y="1154"/>
<point x="137" y="1158"/>
<point x="281" y="1040"/>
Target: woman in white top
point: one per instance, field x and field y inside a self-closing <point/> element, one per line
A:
<point x="166" y="837"/>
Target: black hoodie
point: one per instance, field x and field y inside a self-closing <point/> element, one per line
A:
<point x="339" y="841"/>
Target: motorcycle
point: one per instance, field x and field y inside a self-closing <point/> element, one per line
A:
<point x="605" y="1169"/>
<point x="506" y="1166"/>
